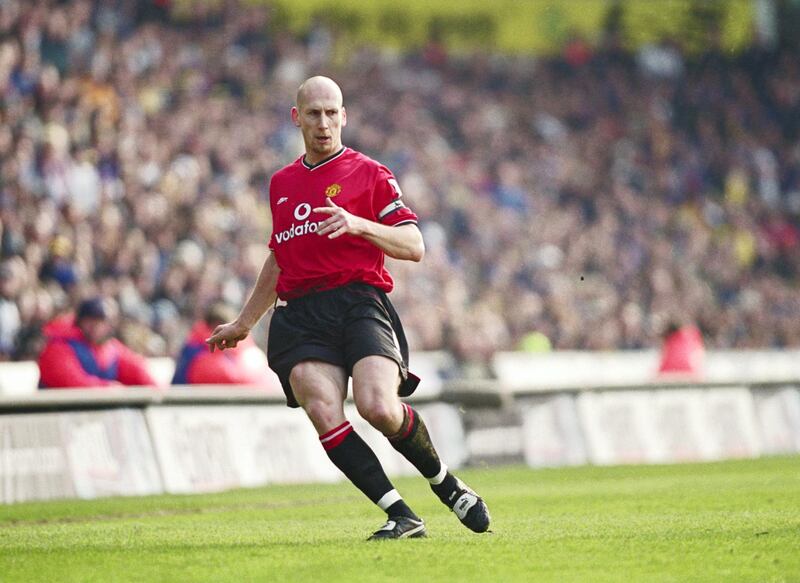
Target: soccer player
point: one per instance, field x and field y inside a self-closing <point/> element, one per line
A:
<point x="336" y="213"/>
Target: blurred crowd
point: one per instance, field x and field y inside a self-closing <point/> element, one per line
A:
<point x="580" y="201"/>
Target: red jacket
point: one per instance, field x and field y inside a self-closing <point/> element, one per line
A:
<point x="683" y="352"/>
<point x="244" y="365"/>
<point x="69" y="361"/>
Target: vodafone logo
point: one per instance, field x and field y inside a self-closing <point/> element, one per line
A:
<point x="302" y="211"/>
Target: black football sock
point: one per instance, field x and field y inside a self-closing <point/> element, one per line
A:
<point x="446" y="488"/>
<point x="400" y="508"/>
<point x="358" y="462"/>
<point x="414" y="442"/>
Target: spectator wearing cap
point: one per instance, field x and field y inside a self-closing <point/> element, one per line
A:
<point x="244" y="365"/>
<point x="81" y="352"/>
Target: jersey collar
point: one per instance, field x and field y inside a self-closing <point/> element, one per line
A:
<point x="330" y="158"/>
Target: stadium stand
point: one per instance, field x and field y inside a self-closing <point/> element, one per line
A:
<point x="589" y="196"/>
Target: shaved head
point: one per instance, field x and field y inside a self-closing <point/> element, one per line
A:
<point x="318" y="86"/>
<point x="320" y="115"/>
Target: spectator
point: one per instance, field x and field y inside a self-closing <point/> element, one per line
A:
<point x="37" y="309"/>
<point x="683" y="351"/>
<point x="82" y="353"/>
<point x="244" y="365"/>
<point x="58" y="266"/>
<point x="10" y="322"/>
<point x="134" y="159"/>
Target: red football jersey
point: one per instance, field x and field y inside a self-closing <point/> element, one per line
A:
<point x="310" y="262"/>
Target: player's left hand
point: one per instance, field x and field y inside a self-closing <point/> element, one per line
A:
<point x="339" y="222"/>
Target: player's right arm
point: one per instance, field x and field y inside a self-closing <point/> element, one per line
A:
<point x="261" y="299"/>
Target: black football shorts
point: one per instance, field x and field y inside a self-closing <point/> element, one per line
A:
<point x="339" y="326"/>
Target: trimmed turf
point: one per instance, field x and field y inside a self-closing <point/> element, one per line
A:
<point x="732" y="521"/>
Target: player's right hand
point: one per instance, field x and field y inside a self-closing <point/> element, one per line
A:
<point x="227" y="336"/>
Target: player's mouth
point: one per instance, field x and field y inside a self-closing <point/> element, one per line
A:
<point x="324" y="139"/>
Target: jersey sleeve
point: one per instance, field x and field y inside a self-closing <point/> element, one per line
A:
<point x="387" y="201"/>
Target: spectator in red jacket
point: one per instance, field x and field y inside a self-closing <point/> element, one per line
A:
<point x="244" y="365"/>
<point x="683" y="351"/>
<point x="81" y="352"/>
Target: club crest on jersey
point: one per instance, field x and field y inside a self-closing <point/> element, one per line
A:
<point x="333" y="190"/>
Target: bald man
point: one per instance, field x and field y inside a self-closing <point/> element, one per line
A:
<point x="336" y="214"/>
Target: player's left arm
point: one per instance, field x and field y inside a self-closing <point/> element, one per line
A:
<point x="401" y="241"/>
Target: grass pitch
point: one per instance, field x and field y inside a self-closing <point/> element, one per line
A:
<point x="732" y="521"/>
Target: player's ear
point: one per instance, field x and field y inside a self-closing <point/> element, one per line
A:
<point x="296" y="117"/>
<point x="344" y="116"/>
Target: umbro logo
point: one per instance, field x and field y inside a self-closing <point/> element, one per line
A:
<point x="283" y="199"/>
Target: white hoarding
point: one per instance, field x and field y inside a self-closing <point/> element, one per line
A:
<point x="203" y="449"/>
<point x="33" y="460"/>
<point x="730" y="423"/>
<point x="778" y="413"/>
<point x="669" y="425"/>
<point x="67" y="455"/>
<point x="494" y="442"/>
<point x="676" y="422"/>
<point x="617" y="427"/>
<point x="110" y="453"/>
<point x="551" y="433"/>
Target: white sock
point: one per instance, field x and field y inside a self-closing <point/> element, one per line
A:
<point x="388" y="499"/>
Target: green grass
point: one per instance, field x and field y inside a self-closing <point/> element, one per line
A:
<point x="733" y="521"/>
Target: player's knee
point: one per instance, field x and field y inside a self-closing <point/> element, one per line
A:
<point x="382" y="415"/>
<point x="322" y="413"/>
<point x="318" y="394"/>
